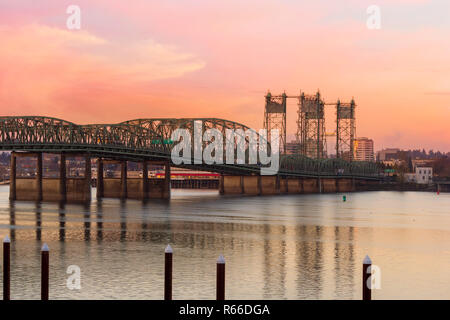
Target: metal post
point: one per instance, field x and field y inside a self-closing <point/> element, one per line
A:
<point x="12" y="177"/>
<point x="220" y="280"/>
<point x="44" y="272"/>
<point x="168" y="273"/>
<point x="6" y="268"/>
<point x="367" y="292"/>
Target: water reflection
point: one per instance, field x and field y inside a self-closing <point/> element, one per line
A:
<point x="275" y="247"/>
<point x="38" y="222"/>
<point x="12" y="220"/>
<point x="62" y="222"/>
<point x="99" y="221"/>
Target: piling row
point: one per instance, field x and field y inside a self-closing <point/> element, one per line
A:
<point x="168" y="273"/>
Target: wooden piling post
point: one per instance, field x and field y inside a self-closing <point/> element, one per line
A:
<point x="220" y="280"/>
<point x="6" y="268"/>
<point x="44" y="272"/>
<point x="367" y="287"/>
<point x="168" y="261"/>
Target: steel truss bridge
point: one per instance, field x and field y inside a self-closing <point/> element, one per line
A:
<point x="149" y="139"/>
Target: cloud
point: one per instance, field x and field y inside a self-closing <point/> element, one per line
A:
<point x="44" y="68"/>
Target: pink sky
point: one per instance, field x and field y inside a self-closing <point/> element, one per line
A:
<point x="218" y="58"/>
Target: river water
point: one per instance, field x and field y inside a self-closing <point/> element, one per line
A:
<point x="275" y="247"/>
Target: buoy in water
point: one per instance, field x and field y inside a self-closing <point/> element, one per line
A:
<point x="344" y="198"/>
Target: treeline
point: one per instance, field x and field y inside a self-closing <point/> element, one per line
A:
<point x="440" y="164"/>
<point x="421" y="154"/>
<point x="441" y="167"/>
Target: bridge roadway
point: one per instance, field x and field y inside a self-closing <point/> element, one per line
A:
<point x="145" y="141"/>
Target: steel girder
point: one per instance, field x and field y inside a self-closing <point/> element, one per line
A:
<point x="149" y="139"/>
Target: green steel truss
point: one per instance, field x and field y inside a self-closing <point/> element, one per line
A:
<point x="150" y="139"/>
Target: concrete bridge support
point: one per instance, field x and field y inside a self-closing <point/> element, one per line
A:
<point x="133" y="188"/>
<point x="269" y="185"/>
<point x="250" y="185"/>
<point x="40" y="188"/>
<point x="24" y="188"/>
<point x="311" y="185"/>
<point x="112" y="187"/>
<point x="160" y="188"/>
<point x="344" y="185"/>
<point x="294" y="185"/>
<point x="329" y="185"/>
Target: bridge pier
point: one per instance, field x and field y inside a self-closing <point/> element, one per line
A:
<point x="294" y="185"/>
<point x="100" y="182"/>
<point x="25" y="188"/>
<point x="76" y="189"/>
<point x="269" y="185"/>
<point x="344" y="185"/>
<point x="12" y="178"/>
<point x="123" y="179"/>
<point x="311" y="185"/>
<point x="133" y="188"/>
<point x="329" y="185"/>
<point x="251" y="185"/>
<point x="40" y="188"/>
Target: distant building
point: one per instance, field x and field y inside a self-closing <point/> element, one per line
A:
<point x="410" y="177"/>
<point x="422" y="163"/>
<point x="424" y="175"/>
<point x="388" y="154"/>
<point x="363" y="149"/>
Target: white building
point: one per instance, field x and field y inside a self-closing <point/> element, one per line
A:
<point x="424" y="175"/>
<point x="363" y="149"/>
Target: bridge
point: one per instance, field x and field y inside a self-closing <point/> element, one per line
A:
<point x="148" y="141"/>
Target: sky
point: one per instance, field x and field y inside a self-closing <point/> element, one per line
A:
<point x="203" y="58"/>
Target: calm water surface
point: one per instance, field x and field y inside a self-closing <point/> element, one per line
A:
<point x="278" y="247"/>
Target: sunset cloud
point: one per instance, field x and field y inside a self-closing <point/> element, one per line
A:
<point x="39" y="64"/>
<point x="191" y="58"/>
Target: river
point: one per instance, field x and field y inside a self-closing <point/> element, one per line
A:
<point x="275" y="247"/>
